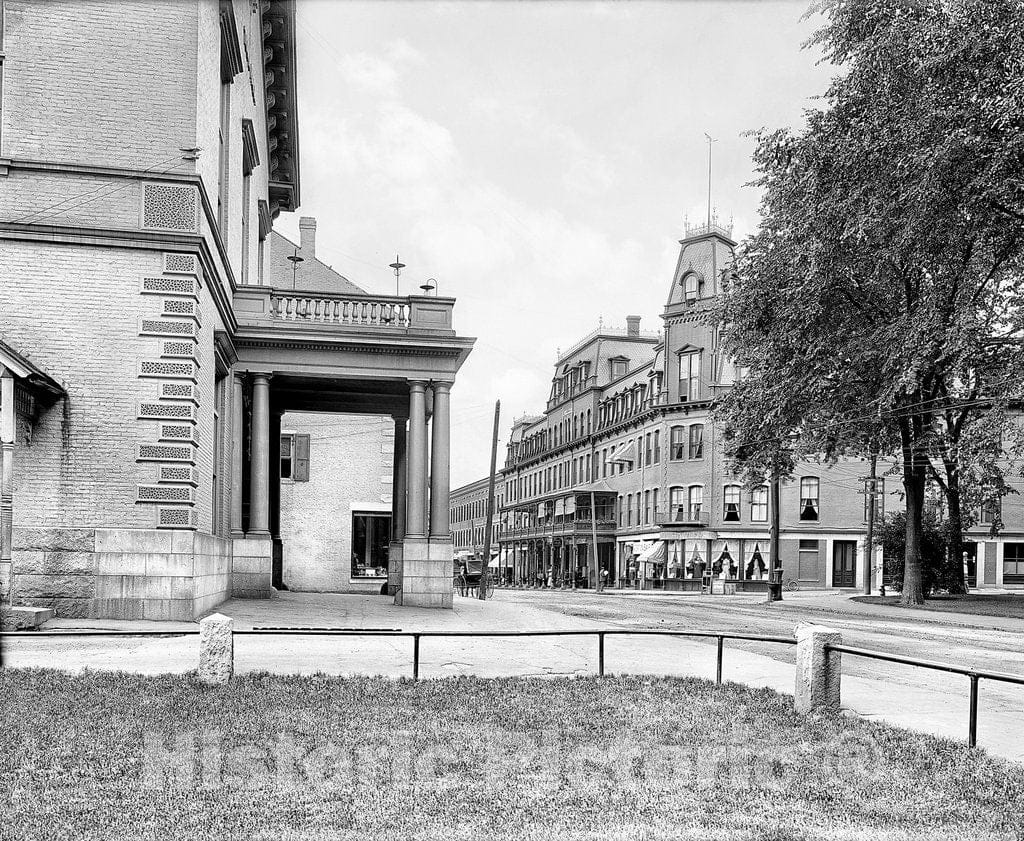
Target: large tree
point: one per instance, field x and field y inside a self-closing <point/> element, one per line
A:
<point x="890" y="250"/>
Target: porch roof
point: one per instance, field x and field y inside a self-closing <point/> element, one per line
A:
<point x="31" y="375"/>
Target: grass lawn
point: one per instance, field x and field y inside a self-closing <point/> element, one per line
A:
<point x="106" y="755"/>
<point x="1008" y="605"/>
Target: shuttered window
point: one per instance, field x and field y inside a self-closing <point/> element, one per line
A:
<point x="300" y="467"/>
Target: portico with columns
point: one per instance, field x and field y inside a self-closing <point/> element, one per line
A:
<point x="405" y="372"/>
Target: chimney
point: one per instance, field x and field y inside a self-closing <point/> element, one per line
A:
<point x="632" y="325"/>
<point x="307" y="237"/>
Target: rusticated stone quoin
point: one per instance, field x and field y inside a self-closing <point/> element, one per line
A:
<point x="818" y="672"/>
<point x="216" y="649"/>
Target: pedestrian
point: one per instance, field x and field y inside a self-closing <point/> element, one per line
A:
<point x="462" y="580"/>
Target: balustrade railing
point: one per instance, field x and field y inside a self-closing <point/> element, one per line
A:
<point x="359" y="311"/>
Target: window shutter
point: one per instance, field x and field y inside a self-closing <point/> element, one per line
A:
<point x="300" y="469"/>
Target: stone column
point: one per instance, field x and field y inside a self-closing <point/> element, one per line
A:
<point x="818" y="672"/>
<point x="237" y="453"/>
<point x="398" y="482"/>
<point x="415" y="518"/>
<point x="7" y="433"/>
<point x="259" y="476"/>
<point x="398" y="508"/>
<point x="440" y="464"/>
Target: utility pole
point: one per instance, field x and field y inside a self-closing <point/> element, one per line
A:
<point x="869" y="549"/>
<point x="485" y="571"/>
<point x="773" y="534"/>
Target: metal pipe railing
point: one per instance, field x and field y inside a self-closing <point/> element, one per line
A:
<point x="975" y="676"/>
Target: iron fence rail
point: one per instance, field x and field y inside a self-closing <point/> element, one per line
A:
<point x="601" y="633"/>
<point x="975" y="676"/>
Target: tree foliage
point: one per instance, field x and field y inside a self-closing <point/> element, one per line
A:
<point x="877" y="305"/>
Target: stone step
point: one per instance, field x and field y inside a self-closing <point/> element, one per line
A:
<point x="24" y="618"/>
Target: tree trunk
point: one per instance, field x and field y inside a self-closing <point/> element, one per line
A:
<point x="955" y="537"/>
<point x="913" y="485"/>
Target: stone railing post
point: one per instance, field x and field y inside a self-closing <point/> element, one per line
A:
<point x="818" y="672"/>
<point x="216" y="649"/>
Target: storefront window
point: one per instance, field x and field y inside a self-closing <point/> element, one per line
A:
<point x="371" y="534"/>
<point x="1013" y="563"/>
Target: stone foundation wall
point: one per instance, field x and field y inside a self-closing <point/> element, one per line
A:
<point x="121" y="573"/>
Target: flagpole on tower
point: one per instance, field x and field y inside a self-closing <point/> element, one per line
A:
<point x="710" y="141"/>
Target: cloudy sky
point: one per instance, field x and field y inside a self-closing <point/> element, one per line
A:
<point x="538" y="159"/>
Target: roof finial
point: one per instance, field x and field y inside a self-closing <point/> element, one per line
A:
<point x="398" y="265"/>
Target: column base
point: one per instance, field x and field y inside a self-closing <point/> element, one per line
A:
<point x="252" y="567"/>
<point x="427" y="573"/>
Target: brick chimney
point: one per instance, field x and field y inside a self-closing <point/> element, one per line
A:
<point x="307" y="237"/>
<point x="632" y="325"/>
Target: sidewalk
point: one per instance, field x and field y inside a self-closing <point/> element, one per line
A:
<point x="928" y="701"/>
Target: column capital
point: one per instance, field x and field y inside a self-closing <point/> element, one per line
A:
<point x="418" y="385"/>
<point x="443" y="386"/>
<point x="257" y="376"/>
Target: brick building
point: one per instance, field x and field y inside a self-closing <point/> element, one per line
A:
<point x="153" y="331"/>
<point x="623" y="475"/>
<point x="469" y="522"/>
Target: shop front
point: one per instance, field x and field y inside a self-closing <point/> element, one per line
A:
<point x="717" y="564"/>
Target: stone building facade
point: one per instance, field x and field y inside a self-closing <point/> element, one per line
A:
<point x="150" y="336"/>
<point x="469" y="521"/>
<point x="622" y="478"/>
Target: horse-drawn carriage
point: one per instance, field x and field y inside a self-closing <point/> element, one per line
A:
<point x="467" y="575"/>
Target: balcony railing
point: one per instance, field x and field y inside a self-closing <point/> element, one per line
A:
<point x="266" y="306"/>
<point x="684" y="515"/>
<point x="373" y="312"/>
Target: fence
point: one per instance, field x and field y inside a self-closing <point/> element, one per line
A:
<point x="819" y="682"/>
<point x="975" y="676"/>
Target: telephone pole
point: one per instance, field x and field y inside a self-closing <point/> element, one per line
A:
<point x="773" y="533"/>
<point x="485" y="571"/>
<point x="869" y="549"/>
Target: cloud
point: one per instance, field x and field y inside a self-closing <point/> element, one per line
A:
<point x="369" y="73"/>
<point x="379" y="76"/>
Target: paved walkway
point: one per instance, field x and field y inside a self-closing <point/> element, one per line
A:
<point x="930" y="701"/>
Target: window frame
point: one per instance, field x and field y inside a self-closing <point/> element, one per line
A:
<point x="808" y="502"/>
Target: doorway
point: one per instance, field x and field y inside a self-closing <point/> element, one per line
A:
<point x="844" y="561"/>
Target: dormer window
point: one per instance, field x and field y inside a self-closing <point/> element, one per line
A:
<point x="692" y="284"/>
<point x="618" y="367"/>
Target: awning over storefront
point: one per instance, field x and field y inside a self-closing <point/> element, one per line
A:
<point x="624" y="452"/>
<point x="653" y="554"/>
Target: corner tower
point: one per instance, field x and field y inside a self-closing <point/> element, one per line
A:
<point x="692" y="363"/>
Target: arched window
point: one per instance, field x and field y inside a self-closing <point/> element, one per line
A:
<point x="759" y="504"/>
<point x="691" y="286"/>
<point x="677" y="503"/>
<point x="731" y="504"/>
<point x="697" y="440"/>
<point x="677" y="443"/>
<point x="809" y="502"/>
<point x="695" y="502"/>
